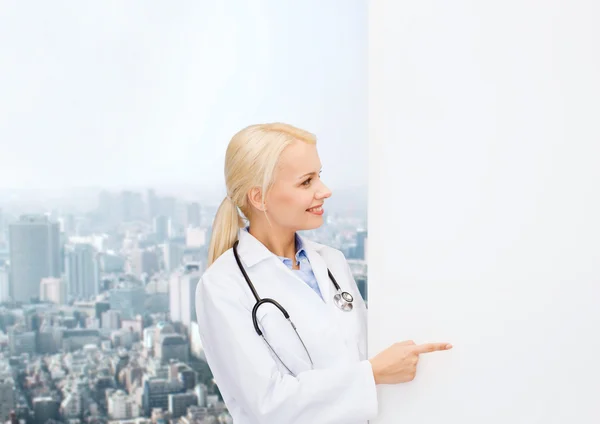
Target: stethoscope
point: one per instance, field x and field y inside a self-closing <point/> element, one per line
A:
<point x="342" y="299"/>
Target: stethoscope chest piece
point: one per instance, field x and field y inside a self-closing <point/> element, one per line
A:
<point x="343" y="300"/>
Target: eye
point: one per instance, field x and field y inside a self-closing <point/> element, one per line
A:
<point x="307" y="182"/>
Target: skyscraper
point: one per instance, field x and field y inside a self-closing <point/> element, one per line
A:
<point x="188" y="296"/>
<point x="53" y="290"/>
<point x="82" y="271"/>
<point x="34" y="254"/>
<point x="193" y="215"/>
<point x="161" y="227"/>
<point x="7" y="396"/>
<point x="182" y="293"/>
<point x="361" y="236"/>
<point x="4" y="283"/>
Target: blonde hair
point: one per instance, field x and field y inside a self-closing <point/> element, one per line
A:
<point x="250" y="161"/>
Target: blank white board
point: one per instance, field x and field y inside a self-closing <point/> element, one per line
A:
<point x="484" y="207"/>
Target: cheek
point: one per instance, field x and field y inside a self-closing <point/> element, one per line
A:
<point x="291" y="204"/>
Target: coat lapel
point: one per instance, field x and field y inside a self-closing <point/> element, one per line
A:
<point x="253" y="251"/>
<point x="319" y="268"/>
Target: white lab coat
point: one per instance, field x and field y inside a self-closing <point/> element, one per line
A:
<point x="256" y="388"/>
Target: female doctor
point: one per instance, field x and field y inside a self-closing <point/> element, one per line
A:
<point x="281" y="321"/>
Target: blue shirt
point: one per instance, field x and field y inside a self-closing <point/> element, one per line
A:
<point x="305" y="271"/>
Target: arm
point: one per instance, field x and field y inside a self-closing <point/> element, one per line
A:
<point x="243" y="367"/>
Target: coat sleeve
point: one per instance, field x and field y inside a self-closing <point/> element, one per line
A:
<point x="243" y="368"/>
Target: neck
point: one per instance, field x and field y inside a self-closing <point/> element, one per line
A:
<point x="280" y="242"/>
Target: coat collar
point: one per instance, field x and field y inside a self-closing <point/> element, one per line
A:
<point x="252" y="251"/>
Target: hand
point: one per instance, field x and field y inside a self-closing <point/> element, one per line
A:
<point x="398" y="363"/>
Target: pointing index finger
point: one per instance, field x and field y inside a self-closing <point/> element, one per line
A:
<point x="432" y="347"/>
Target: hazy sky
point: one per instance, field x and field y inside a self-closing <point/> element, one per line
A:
<point x="131" y="93"/>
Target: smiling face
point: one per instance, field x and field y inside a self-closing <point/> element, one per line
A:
<point x="297" y="194"/>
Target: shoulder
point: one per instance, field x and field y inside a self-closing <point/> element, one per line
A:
<point x="327" y="252"/>
<point x="221" y="277"/>
<point x="222" y="266"/>
<point x="322" y="248"/>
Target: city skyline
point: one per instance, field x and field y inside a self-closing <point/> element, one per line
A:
<point x="100" y="306"/>
<point x="83" y="200"/>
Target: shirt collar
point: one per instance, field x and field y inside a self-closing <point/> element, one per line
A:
<point x="300" y="252"/>
<point x="253" y="251"/>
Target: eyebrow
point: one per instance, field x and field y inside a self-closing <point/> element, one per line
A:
<point x="309" y="173"/>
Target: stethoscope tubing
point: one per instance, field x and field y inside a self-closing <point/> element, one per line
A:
<point x="347" y="306"/>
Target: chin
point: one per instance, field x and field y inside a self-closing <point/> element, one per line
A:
<point x="312" y="224"/>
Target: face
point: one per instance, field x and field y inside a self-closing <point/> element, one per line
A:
<point x="295" y="200"/>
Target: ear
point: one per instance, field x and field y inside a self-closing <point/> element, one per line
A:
<point x="255" y="198"/>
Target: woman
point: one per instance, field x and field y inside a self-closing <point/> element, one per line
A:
<point x="267" y="370"/>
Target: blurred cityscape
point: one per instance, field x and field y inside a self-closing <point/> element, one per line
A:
<point x="97" y="315"/>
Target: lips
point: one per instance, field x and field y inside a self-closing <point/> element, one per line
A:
<point x="316" y="209"/>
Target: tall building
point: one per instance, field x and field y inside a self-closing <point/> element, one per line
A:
<point x="82" y="271"/>
<point x="156" y="393"/>
<point x="144" y="262"/>
<point x="175" y="296"/>
<point x="34" y="254"/>
<point x="53" y="290"/>
<point x="161" y="225"/>
<point x="21" y="341"/>
<point x="173" y="253"/>
<point x="7" y="397"/>
<point x="193" y="215"/>
<point x="182" y="293"/>
<point x="111" y="319"/>
<point x="72" y="404"/>
<point x="168" y="207"/>
<point x="4" y="284"/>
<point x="361" y="282"/>
<point x="129" y="301"/>
<point x="179" y="403"/>
<point x="45" y="408"/>
<point x="188" y="296"/>
<point x="121" y="406"/>
<point x="361" y="237"/>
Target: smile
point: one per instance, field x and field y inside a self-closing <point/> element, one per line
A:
<point x="317" y="210"/>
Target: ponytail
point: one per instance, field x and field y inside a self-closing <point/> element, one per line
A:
<point x="225" y="229"/>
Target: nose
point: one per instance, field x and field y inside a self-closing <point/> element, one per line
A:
<point x="323" y="192"/>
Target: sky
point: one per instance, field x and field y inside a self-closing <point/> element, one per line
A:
<point x="139" y="93"/>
